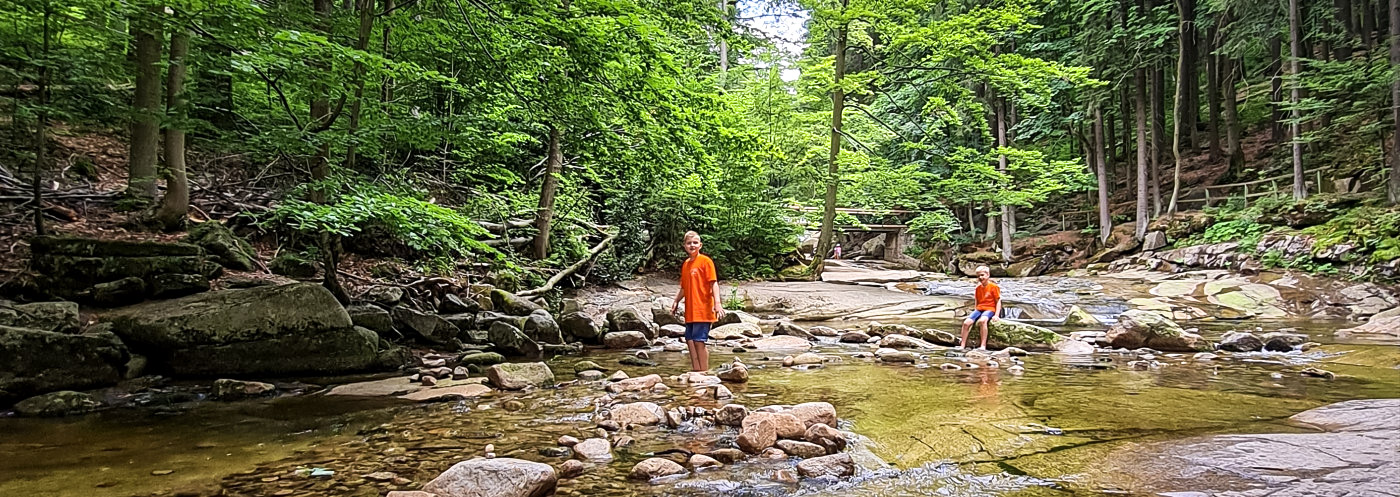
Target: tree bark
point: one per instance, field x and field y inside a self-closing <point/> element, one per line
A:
<point x="1105" y="217"/>
<point x="1394" y="190"/>
<point x="1159" y="133"/>
<point x="544" y="216"/>
<point x="1000" y="106"/>
<point x="1188" y="73"/>
<point x="366" y="8"/>
<point x="1368" y="25"/>
<point x="1295" y="35"/>
<point x="838" y="105"/>
<point x="175" y="205"/>
<point x="41" y="135"/>
<point x="1233" y="131"/>
<point x="1140" y="109"/>
<point x="145" y="126"/>
<point x="387" y="90"/>
<point x="1213" y="91"/>
<point x="321" y="111"/>
<point x="1343" y="51"/>
<point x="1183" y="83"/>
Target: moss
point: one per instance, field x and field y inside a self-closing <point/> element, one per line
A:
<point x="223" y="245"/>
<point x="293" y="265"/>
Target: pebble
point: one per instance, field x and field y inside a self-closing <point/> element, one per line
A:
<point x="512" y="405"/>
<point x="567" y="441"/>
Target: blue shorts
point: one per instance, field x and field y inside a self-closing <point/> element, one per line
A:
<point x="697" y="332"/>
<point x="988" y="315"/>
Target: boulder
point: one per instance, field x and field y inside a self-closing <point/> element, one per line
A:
<point x="373" y="317"/>
<point x="429" y="327"/>
<point x="1384" y="325"/>
<point x="1074" y="347"/>
<point x="756" y="434"/>
<point x="638" y="384"/>
<point x="228" y="389"/>
<point x="540" y="327"/>
<point x="807" y="359"/>
<point x="825" y="436"/>
<point x="904" y="342"/>
<point x="801" y="449"/>
<point x="55" y="404"/>
<point x="780" y="343"/>
<point x="577" y="326"/>
<point x="812" y="413"/>
<point x="495" y="477"/>
<point x="789" y="329"/>
<point x="337" y="351"/>
<point x="893" y="355"/>
<point x="509" y="303"/>
<point x="837" y="465"/>
<point x="1137" y="328"/>
<point x="854" y="337"/>
<point x="1154" y="240"/>
<point x="1008" y="333"/>
<point x="736" y="317"/>
<point x="624" y="340"/>
<point x="699" y="462"/>
<point x="452" y="304"/>
<point x="1078" y="317"/>
<point x="878" y="329"/>
<point x="1292" y="339"/>
<point x="627" y="318"/>
<point x="70" y="267"/>
<point x="594" y="449"/>
<point x="116" y="293"/>
<point x="736" y="373"/>
<point x="59" y="316"/>
<point x="785" y="425"/>
<point x="508" y="339"/>
<point x="731" y="415"/>
<point x="1236" y="341"/>
<point x="1278" y="344"/>
<point x="823" y="331"/>
<point x="222" y="246"/>
<point x="637" y="414"/>
<point x="567" y="469"/>
<point x="661" y="314"/>
<point x="655" y="467"/>
<point x="672" y="331"/>
<point x="481" y="359"/>
<point x="938" y="337"/>
<point x="518" y="376"/>
<point x="293" y="266"/>
<point x="735" y="331"/>
<point x="384" y="295"/>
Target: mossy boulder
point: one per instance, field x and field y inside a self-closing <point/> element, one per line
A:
<point x="293" y="266"/>
<point x="223" y="246"/>
<point x="34" y="361"/>
<point x="481" y="359"/>
<point x="511" y="304"/>
<point x="336" y="351"/>
<point x="1138" y="328"/>
<point x="55" y="404"/>
<point x="48" y="316"/>
<point x="1008" y="333"/>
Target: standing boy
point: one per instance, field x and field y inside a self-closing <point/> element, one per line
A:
<point x="700" y="289"/>
<point x="988" y="296"/>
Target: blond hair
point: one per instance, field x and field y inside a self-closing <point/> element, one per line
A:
<point x="983" y="268"/>
<point x="689" y="235"/>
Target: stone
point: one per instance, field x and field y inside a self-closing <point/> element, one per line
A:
<point x="825" y="436"/>
<point x="736" y="316"/>
<point x="893" y="355"/>
<point x="1292" y="339"/>
<point x="384" y="295"/>
<point x="577" y="326"/>
<point x="594" y="449"/>
<point x="1278" y="344"/>
<point x="736" y="331"/>
<point x="509" y="303"/>
<point x="294" y="266"/>
<point x="624" y="339"/>
<point x="699" y="462"/>
<point x="372" y="317"/>
<point x="780" y="343"/>
<point x="1010" y="333"/>
<point x="672" y="331"/>
<point x="812" y="413"/>
<point x="449" y="393"/>
<point x="1236" y="341"/>
<point x="60" y="316"/>
<point x="571" y="469"/>
<point x="619" y="376"/>
<point x="1138" y="328"/>
<point x="518" y="376"/>
<point x="36" y="361"/>
<point x="481" y="359"/>
<point x="509" y="340"/>
<point x="623" y="441"/>
<point x="627" y="318"/>
<point x="495" y="477"/>
<point x="807" y="359"/>
<point x="540" y="327"/>
<point x="801" y="449"/>
<point x="823" y="331"/>
<point x="655" y="467"/>
<point x="429" y="327"/>
<point x="428" y="381"/>
<point x="452" y="304"/>
<point x="124" y="291"/>
<point x="1078" y="317"/>
<point x="757" y="433"/>
<point x="895" y="341"/>
<point x="55" y="404"/>
<point x="1074" y="347"/>
<point x="837" y="465"/>
<point x="854" y="337"/>
<point x="878" y="329"/>
<point x="731" y="415"/>
<point x="1154" y="240"/>
<point x="661" y="314"/>
<point x="637" y="414"/>
<point x="639" y="384"/>
<point x="722" y="392"/>
<point x="590" y="375"/>
<point x="727" y="456"/>
<point x="567" y="441"/>
<point x="229" y="389"/>
<point x="673" y="347"/>
<point x="785" y="425"/>
<point x="168" y="286"/>
<point x="735" y="373"/>
<point x="586" y="365"/>
<point x="636" y="361"/>
<point x="223" y="246"/>
<point x="789" y="329"/>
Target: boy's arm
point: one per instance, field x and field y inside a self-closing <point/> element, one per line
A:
<point x="998" y="313"/>
<point x="680" y="294"/>
<point x="719" y="309"/>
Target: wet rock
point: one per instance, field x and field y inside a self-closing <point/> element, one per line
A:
<point x="541" y="328"/>
<point x="854" y="337"/>
<point x="481" y="359"/>
<point x="594" y="449"/>
<point x="806" y="359"/>
<point x="801" y="449"/>
<point x="571" y="469"/>
<point x="1138" y="328"/>
<point x="55" y="404"/>
<point x="1240" y="342"/>
<point x="823" y="331"/>
<point x="61" y="317"/>
<point x="1319" y="373"/>
<point x="567" y="441"/>
<point x="731" y="415"/>
<point x="785" y="425"/>
<point x="655" y="467"/>
<point x="825" y="436"/>
<point x="757" y="433"/>
<point x="624" y="339"/>
<point x="508" y="339"/>
<point x="384" y="295"/>
<point x="623" y="442"/>
<point x="509" y="303"/>
<point x="627" y="318"/>
<point x="699" y="462"/>
<point x="638" y="414"/>
<point x="618" y="376"/>
<point x="773" y="453"/>
<point x="1078" y="317"/>
<point x="448" y="394"/>
<point x="429" y="327"/>
<point x="785" y="476"/>
<point x="904" y="342"/>
<point x="736" y="331"/>
<point x="892" y="355"/>
<point x="120" y="292"/>
<point x="498" y="477"/>
<point x="837" y="465"/>
<point x="1292" y="339"/>
<point x="586" y="365"/>
<point x="811" y="413"/>
<point x="1074" y="347"/>
<point x="636" y="361"/>
<point x="661" y="314"/>
<point x="673" y="347"/>
<point x="518" y="376"/>
<point x="735" y="373"/>
<point x="640" y="384"/>
<point x="372" y="317"/>
<point x="227" y="389"/>
<point x="577" y="326"/>
<point x="789" y="329"/>
<point x="727" y="456"/>
<point x="948" y="366"/>
<point x="589" y="375"/>
<point x="780" y="343"/>
<point x="1278" y="344"/>
<point x="1204" y="356"/>
<point x="35" y="361"/>
<point x="722" y="392"/>
<point x="673" y="331"/>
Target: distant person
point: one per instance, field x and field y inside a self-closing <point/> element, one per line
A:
<point x="988" y="298"/>
<point x="837" y="251"/>
<point x="700" y="290"/>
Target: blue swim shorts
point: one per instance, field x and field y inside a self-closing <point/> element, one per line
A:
<point x="982" y="314"/>
<point x="698" y="332"/>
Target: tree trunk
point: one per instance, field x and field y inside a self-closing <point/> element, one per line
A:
<point x="838" y="105"/>
<point x="321" y="112"/>
<point x="554" y="163"/>
<point x="1368" y="25"/>
<point x="991" y="234"/>
<point x="1394" y="190"/>
<point x="387" y="90"/>
<point x="999" y="105"/>
<point x="1233" y="131"/>
<point x="1343" y="50"/>
<point x="1159" y="140"/>
<point x="1105" y="217"/>
<point x="1183" y="83"/>
<point x="1213" y="91"/>
<point x="1275" y="90"/>
<point x="1189" y="74"/>
<point x="175" y="205"/>
<point x="145" y="125"/>
<point x="723" y="47"/>
<point x="41" y="135"/>
<point x="1126" y="114"/>
<point x="1140" y="109"/>
<point x="366" y="8"/>
<point x="1295" y="36"/>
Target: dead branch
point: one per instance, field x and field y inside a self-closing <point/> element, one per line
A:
<point x="499" y="242"/>
<point x="554" y="280"/>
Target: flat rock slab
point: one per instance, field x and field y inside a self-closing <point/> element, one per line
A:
<point x="449" y="393"/>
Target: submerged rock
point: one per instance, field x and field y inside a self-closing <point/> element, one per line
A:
<point x="1236" y="341"/>
<point x="594" y="449"/>
<point x="1137" y="328"/>
<point x="637" y="414"/>
<point x="60" y="403"/>
<point x="518" y="376"/>
<point x="777" y="343"/>
<point x="496" y="477"/>
<point x="837" y="465"/>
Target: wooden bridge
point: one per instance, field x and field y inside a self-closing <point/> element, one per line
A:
<point x="897" y="236"/>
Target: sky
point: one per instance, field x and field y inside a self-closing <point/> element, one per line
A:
<point x="781" y="23"/>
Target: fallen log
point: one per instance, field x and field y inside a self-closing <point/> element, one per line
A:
<point x="554" y="280"/>
<point x="498" y="242"/>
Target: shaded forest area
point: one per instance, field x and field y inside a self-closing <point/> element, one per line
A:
<point x="536" y="142"/>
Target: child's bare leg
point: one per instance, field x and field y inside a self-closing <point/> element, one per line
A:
<point x="702" y="357"/>
<point x="967" y="326"/>
<point x="690" y="347"/>
<point x="982" y="326"/>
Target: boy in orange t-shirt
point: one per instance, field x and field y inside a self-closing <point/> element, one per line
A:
<point x="988" y="296"/>
<point x="700" y="290"/>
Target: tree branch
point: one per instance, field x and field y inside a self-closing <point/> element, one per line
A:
<point x="554" y="280"/>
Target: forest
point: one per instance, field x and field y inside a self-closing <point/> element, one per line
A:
<point x="538" y="141"/>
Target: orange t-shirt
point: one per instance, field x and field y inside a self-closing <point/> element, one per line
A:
<point x="987" y="296"/>
<point x="697" y="284"/>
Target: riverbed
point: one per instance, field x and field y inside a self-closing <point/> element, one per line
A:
<point x="916" y="429"/>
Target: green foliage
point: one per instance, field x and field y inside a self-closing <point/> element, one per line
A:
<point x="733" y="300"/>
<point x="1369" y="229"/>
<point x="933" y="227"/>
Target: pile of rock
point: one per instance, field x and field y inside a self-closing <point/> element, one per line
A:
<point x="1138" y="328"/>
<point x="112" y="273"/>
<point x="1278" y="341"/>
